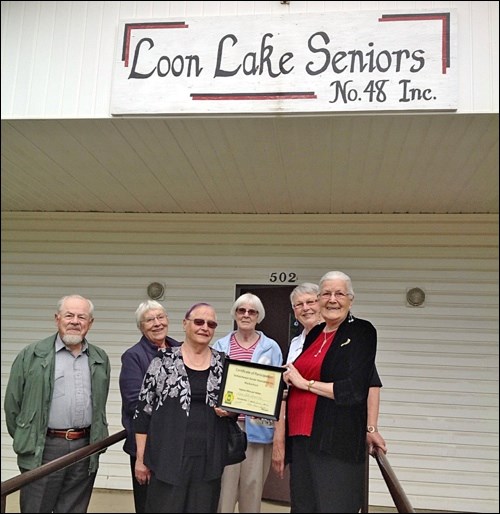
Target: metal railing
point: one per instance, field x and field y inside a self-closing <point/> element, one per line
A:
<point x="14" y="484"/>
<point x="401" y="501"/>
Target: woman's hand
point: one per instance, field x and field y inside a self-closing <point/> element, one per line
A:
<point x="142" y="472"/>
<point x="375" y="439"/>
<point x="293" y="378"/>
<point x="222" y="413"/>
<point x="278" y="459"/>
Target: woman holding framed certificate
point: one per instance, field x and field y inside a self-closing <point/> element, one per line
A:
<point x="181" y="434"/>
<point x="326" y="418"/>
<point x="305" y="303"/>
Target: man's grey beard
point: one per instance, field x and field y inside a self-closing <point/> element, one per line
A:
<point x="72" y="340"/>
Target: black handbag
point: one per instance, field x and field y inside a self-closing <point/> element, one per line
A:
<point x="236" y="443"/>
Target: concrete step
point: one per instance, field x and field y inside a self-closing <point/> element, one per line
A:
<point x="117" y="500"/>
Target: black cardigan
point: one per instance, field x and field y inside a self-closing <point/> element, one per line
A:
<point x="162" y="412"/>
<point x="339" y="425"/>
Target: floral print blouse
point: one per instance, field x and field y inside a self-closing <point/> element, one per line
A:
<point x="162" y="413"/>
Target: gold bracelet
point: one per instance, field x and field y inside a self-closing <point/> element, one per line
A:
<point x="310" y="384"/>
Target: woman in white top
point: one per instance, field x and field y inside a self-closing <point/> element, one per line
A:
<point x="304" y="299"/>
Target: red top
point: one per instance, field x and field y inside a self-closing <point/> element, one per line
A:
<point x="302" y="403"/>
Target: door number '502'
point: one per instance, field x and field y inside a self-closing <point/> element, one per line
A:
<point x="282" y="277"/>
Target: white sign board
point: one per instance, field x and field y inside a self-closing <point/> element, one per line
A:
<point x="328" y="62"/>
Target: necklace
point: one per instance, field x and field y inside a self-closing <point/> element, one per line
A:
<point x="325" y="340"/>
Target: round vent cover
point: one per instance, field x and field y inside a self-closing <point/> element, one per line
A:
<point x="156" y="290"/>
<point x="415" y="296"/>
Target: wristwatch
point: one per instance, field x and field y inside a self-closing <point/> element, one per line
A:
<point x="371" y="429"/>
<point x="310" y="384"/>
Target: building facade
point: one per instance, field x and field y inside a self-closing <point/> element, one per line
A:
<point x="105" y="203"/>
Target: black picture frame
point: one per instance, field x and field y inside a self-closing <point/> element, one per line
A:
<point x="252" y="388"/>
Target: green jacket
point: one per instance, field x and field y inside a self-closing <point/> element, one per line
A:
<point x="28" y="396"/>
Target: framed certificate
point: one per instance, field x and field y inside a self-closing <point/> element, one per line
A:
<point x="251" y="388"/>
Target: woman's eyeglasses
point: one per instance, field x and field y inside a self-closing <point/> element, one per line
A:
<point x="200" y="322"/>
<point x="149" y="321"/>
<point x="251" y="312"/>
<point x="303" y="305"/>
<point x="339" y="295"/>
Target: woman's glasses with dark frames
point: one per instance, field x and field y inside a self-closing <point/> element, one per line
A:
<point x="200" y="322"/>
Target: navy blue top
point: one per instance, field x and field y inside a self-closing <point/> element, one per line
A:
<point x="135" y="362"/>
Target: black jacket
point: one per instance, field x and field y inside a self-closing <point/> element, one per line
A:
<point x="339" y="425"/>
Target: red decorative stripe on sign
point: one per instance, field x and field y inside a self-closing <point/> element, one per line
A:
<point x="253" y="96"/>
<point x="445" y="36"/>
<point x="154" y="25"/>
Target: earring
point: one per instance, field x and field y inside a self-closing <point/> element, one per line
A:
<point x="350" y="318"/>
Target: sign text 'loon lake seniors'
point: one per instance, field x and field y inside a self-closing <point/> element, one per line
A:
<point x="329" y="62"/>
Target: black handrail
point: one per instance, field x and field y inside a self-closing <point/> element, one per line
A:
<point x="14" y="484"/>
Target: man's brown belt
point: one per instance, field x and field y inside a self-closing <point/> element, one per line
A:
<point x="69" y="433"/>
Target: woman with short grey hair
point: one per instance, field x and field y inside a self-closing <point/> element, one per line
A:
<point x="243" y="483"/>
<point x="326" y="409"/>
<point x="152" y="321"/>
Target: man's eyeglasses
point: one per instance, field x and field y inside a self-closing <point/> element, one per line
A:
<point x="303" y="305"/>
<point x="81" y="317"/>
<point x="149" y="321"/>
<point x="339" y="295"/>
<point x="251" y="312"/>
<point x="200" y="322"/>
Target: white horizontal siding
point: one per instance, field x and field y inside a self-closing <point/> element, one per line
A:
<point x="57" y="57"/>
<point x="439" y="363"/>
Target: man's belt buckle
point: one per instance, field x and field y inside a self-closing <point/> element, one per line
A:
<point x="69" y="432"/>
